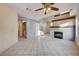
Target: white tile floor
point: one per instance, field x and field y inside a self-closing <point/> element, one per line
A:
<point x="42" y="46"/>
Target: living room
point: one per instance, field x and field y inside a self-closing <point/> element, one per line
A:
<point x="56" y="26"/>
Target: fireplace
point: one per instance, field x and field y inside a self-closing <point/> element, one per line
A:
<point x="58" y="35"/>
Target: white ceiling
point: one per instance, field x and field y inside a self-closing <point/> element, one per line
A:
<point x="36" y="15"/>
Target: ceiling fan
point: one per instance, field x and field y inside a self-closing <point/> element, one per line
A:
<point x="47" y="7"/>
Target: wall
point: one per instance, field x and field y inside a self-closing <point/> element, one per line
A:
<point x="32" y="29"/>
<point x="77" y="25"/>
<point x="8" y="27"/>
<point x="67" y="27"/>
<point x="76" y="12"/>
<point x="44" y="27"/>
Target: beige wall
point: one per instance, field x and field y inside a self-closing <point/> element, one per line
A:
<point x="8" y="27"/>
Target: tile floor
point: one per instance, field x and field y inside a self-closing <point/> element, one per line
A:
<point x="42" y="46"/>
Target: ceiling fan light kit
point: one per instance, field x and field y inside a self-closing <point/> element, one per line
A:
<point x="46" y="10"/>
<point x="49" y="9"/>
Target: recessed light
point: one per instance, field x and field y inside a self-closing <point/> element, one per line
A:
<point x="28" y="9"/>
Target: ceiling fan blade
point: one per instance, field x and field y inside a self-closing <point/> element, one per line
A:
<point x="48" y="3"/>
<point x="38" y="9"/>
<point x="54" y="8"/>
<point x="52" y="3"/>
<point x="44" y="3"/>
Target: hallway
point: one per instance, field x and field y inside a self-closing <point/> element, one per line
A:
<point x="42" y="46"/>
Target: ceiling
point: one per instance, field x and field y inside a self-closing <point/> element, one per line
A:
<point x="36" y="15"/>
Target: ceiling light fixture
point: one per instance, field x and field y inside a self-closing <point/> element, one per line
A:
<point x="49" y="9"/>
<point x="46" y="10"/>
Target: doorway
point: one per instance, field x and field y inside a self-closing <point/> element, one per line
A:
<point x="22" y="29"/>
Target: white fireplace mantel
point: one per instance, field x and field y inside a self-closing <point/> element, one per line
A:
<point x="68" y="33"/>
